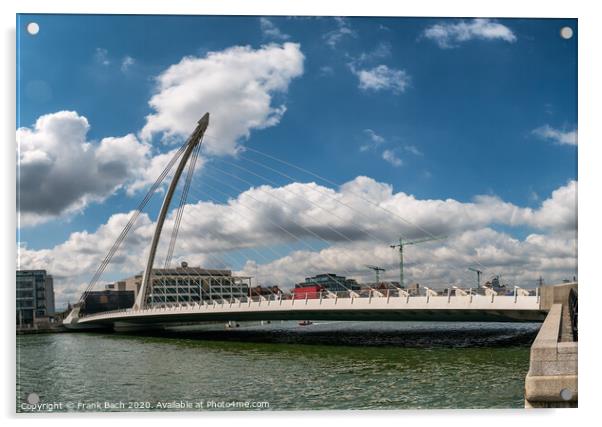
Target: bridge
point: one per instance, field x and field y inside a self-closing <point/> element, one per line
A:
<point x="395" y="305"/>
<point x="391" y="304"/>
<point x="552" y="377"/>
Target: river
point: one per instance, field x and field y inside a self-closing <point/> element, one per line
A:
<point x="280" y="366"/>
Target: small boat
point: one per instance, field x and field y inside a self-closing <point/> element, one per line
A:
<point x="305" y="323"/>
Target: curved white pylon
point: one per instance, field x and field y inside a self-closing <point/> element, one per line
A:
<point x="193" y="141"/>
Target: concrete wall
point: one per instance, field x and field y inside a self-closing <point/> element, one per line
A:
<point x="555" y="294"/>
<point x="552" y="378"/>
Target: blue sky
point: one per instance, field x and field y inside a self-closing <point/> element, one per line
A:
<point x="461" y="112"/>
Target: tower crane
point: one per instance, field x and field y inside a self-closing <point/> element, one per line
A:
<point x="404" y="242"/>
<point x="479" y="272"/>
<point x="377" y="270"/>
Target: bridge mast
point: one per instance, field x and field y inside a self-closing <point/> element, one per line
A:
<point x="193" y="141"/>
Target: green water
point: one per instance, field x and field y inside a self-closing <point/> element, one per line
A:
<point x="81" y="370"/>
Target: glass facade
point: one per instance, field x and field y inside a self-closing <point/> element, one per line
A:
<point x="35" y="295"/>
<point x="190" y="285"/>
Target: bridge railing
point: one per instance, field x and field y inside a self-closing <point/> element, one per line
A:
<point x="295" y="298"/>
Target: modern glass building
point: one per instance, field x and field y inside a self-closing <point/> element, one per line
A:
<point x="35" y="296"/>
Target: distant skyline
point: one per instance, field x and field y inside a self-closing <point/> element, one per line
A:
<point x="464" y="127"/>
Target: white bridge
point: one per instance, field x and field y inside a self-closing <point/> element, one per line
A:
<point x="390" y="304"/>
<point x="397" y="305"/>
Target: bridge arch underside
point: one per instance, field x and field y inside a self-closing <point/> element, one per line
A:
<point x="449" y="315"/>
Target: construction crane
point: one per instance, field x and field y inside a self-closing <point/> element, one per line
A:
<point x="404" y="242"/>
<point x="377" y="270"/>
<point x="479" y="272"/>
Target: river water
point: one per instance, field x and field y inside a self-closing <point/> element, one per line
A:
<point x="280" y="366"/>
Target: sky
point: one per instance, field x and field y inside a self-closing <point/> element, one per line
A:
<point x="328" y="139"/>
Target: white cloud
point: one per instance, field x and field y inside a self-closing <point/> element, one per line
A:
<point x="271" y="31"/>
<point x="449" y="35"/>
<point x="374" y="140"/>
<point x="60" y="171"/>
<point x="258" y="217"/>
<point x="102" y="56"/>
<point x="436" y="264"/>
<point x="382" y="77"/>
<point x="557" y="136"/>
<point x="343" y="30"/>
<point x="326" y="70"/>
<point x="126" y="63"/>
<point x="382" y="50"/>
<point x="235" y="85"/>
<point x="413" y="150"/>
<point x="391" y="157"/>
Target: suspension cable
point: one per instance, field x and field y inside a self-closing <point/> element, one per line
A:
<point x="180" y="211"/>
<point x="109" y="256"/>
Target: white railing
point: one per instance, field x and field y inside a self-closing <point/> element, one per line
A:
<point x="368" y="297"/>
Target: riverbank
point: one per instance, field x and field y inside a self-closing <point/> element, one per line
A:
<point x="42" y="330"/>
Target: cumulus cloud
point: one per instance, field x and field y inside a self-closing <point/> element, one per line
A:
<point x="381" y="78"/>
<point x="557" y="136"/>
<point x="448" y="35"/>
<point x="270" y="31"/>
<point x="436" y="264"/>
<point x="61" y="172"/>
<point x="342" y="31"/>
<point x="357" y="221"/>
<point x="237" y="86"/>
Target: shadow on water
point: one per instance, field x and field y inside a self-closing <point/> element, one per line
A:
<point x="364" y="334"/>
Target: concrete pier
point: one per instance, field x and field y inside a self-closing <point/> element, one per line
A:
<point x="552" y="378"/>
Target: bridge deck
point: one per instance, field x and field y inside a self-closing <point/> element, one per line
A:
<point x="434" y="308"/>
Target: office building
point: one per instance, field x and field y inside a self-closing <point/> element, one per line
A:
<point x="190" y="284"/>
<point x="35" y="296"/>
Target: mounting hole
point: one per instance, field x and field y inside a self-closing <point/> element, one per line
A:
<point x="33" y="398"/>
<point x="566" y="394"/>
<point x="33" y="28"/>
<point x="566" y="33"/>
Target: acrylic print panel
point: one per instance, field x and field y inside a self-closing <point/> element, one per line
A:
<point x="281" y="213"/>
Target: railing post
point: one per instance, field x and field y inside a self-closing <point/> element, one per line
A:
<point x="388" y="295"/>
<point x="449" y="290"/>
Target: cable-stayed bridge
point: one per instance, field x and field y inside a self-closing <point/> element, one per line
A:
<point x="393" y="303"/>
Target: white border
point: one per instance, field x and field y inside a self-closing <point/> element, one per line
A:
<point x="590" y="168"/>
